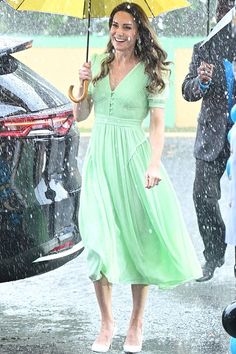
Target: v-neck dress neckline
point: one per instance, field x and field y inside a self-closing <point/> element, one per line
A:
<point x="123" y="79"/>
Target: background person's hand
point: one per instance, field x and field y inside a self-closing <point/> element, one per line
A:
<point x="152" y="177"/>
<point x="205" y="72"/>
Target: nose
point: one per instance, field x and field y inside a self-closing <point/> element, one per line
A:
<point x="119" y="32"/>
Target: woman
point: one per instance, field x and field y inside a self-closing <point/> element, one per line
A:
<point x="130" y="220"/>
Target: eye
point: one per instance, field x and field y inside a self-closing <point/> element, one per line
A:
<point x="127" y="27"/>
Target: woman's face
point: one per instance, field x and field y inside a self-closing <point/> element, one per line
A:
<point x="123" y="32"/>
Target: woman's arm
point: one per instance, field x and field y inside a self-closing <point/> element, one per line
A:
<point x="156" y="138"/>
<point x="82" y="109"/>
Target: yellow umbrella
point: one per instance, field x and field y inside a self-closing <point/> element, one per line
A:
<point x="98" y="8"/>
<point x="93" y="8"/>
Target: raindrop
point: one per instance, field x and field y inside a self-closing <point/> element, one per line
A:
<point x="65" y="19"/>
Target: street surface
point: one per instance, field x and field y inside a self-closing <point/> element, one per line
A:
<point x="56" y="313"/>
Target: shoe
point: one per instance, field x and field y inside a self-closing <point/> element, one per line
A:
<point x="103" y="348"/>
<point x="133" y="348"/>
<point x="209" y="268"/>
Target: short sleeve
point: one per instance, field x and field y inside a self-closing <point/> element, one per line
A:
<point x="158" y="100"/>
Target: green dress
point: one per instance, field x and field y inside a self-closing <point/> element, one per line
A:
<point x="131" y="234"/>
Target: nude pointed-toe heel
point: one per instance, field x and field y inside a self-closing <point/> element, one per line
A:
<point x="132" y="348"/>
<point x="103" y="348"/>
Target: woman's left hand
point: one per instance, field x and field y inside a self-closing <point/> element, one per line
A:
<point x="152" y="177"/>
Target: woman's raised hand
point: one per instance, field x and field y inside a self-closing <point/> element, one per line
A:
<point x="85" y="72"/>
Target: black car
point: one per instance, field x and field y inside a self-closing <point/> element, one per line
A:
<point x="39" y="177"/>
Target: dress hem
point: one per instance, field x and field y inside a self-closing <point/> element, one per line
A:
<point x="141" y="282"/>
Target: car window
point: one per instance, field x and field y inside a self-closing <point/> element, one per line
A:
<point x="8" y="110"/>
<point x="22" y="87"/>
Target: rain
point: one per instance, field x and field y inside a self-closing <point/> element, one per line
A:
<point x="56" y="312"/>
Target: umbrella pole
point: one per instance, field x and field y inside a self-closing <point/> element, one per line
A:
<point x="208" y="17"/>
<point x="85" y="83"/>
<point x="88" y="32"/>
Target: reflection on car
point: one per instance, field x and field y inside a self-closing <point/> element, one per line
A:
<point x="39" y="177"/>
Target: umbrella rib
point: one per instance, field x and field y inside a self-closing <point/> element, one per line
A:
<point x="149" y="8"/>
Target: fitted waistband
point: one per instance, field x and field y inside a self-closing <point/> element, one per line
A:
<point x="112" y="120"/>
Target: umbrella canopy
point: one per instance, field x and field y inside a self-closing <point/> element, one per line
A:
<point x="92" y="8"/>
<point x="99" y="8"/>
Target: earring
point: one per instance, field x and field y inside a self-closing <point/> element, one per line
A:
<point x="139" y="44"/>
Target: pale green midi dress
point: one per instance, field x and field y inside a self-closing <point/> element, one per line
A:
<point x="131" y="234"/>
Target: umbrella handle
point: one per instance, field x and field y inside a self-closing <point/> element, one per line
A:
<point x="84" y="94"/>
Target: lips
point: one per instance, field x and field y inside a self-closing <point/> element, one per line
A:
<point x="120" y="40"/>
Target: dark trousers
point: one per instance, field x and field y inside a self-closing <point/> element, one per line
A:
<point x="206" y="194"/>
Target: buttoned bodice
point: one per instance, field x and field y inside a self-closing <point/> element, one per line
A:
<point x="129" y="101"/>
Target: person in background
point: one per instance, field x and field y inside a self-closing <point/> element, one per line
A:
<point x="130" y="219"/>
<point x="206" y="81"/>
<point x="230" y="235"/>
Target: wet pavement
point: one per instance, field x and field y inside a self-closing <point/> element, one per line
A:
<point x="56" y="313"/>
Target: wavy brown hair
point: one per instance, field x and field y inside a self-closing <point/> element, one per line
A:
<point x="147" y="49"/>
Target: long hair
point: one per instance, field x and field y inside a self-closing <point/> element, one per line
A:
<point x="147" y="49"/>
